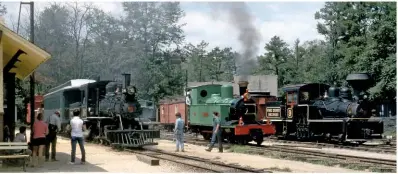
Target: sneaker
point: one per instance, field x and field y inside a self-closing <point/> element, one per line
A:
<point x="71" y="163"/>
<point x="208" y="150"/>
<point x="182" y="150"/>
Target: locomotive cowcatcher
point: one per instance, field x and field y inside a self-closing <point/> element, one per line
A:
<point x="319" y="111"/>
<point x="237" y="115"/>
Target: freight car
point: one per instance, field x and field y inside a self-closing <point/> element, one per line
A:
<point x="319" y="111"/>
<point x="167" y="110"/>
<point x="238" y="115"/>
<point x="38" y="102"/>
<point x="111" y="111"/>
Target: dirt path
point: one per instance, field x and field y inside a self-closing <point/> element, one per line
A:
<point x="99" y="159"/>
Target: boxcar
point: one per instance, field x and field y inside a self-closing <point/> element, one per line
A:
<point x="168" y="109"/>
<point x="38" y="102"/>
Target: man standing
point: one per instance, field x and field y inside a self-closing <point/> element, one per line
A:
<point x="54" y="126"/>
<point x="179" y="132"/>
<point x="216" y="133"/>
<point x="77" y="128"/>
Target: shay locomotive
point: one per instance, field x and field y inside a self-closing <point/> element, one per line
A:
<point x="110" y="111"/>
<point x="239" y="122"/>
<point x="319" y="111"/>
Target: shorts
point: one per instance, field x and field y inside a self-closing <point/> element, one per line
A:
<point x="39" y="141"/>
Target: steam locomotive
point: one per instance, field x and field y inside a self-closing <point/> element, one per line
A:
<point x="319" y="111"/>
<point x="111" y="111"/>
<point x="238" y="115"/>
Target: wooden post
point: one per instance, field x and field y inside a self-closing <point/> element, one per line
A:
<point x="1" y="85"/>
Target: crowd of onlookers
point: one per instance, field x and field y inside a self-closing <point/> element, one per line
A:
<point x="44" y="137"/>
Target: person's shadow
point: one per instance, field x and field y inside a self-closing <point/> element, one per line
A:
<point x="56" y="166"/>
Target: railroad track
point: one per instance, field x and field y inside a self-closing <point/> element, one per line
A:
<point x="313" y="156"/>
<point x="382" y="148"/>
<point x="196" y="162"/>
<point x="388" y="149"/>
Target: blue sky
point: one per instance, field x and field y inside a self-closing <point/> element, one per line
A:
<point x="289" y="20"/>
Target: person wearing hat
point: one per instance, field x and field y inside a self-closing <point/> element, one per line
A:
<point x="216" y="133"/>
<point x="179" y="132"/>
<point x="54" y="126"/>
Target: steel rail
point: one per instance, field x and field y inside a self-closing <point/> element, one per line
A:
<point x="314" y="153"/>
<point x="155" y="154"/>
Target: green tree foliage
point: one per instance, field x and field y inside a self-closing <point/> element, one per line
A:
<point x="148" y="41"/>
<point x="3" y="9"/>
<point x="277" y="60"/>
<point x="362" y="36"/>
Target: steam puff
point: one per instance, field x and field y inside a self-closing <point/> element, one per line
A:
<point x="249" y="37"/>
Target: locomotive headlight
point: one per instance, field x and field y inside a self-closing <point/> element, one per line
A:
<point x="131" y="90"/>
<point x="91" y="111"/>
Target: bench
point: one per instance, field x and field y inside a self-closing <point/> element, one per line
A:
<point x="7" y="151"/>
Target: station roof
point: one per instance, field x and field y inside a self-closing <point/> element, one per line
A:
<point x="30" y="58"/>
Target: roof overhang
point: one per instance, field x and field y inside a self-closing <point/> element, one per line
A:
<point x="19" y="55"/>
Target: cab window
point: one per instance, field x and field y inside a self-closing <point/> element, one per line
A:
<point x="304" y="97"/>
<point x="291" y="98"/>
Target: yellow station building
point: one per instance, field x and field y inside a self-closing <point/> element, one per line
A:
<point x="29" y="59"/>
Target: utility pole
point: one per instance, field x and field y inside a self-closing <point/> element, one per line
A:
<point x="32" y="76"/>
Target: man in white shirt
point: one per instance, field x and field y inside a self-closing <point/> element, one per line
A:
<point x="54" y="126"/>
<point x="77" y="128"/>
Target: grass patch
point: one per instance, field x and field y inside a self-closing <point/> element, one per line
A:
<point x="239" y="149"/>
<point x="277" y="169"/>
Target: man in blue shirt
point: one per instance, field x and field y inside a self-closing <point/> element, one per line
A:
<point x="216" y="133"/>
<point x="179" y="132"/>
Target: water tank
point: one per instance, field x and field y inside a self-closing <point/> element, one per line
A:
<point x="227" y="91"/>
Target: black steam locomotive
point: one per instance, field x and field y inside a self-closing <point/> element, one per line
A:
<point x="111" y="112"/>
<point x="319" y="111"/>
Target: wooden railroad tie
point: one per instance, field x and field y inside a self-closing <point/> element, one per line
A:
<point x="149" y="160"/>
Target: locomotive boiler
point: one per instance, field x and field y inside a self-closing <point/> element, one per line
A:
<point x="237" y="115"/>
<point x="320" y="111"/>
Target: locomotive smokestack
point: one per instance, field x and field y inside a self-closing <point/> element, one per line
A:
<point x="360" y="82"/>
<point x="126" y="79"/>
<point x="242" y="87"/>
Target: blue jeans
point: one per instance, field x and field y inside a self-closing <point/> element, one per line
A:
<point x="79" y="140"/>
<point x="216" y="137"/>
<point x="179" y="141"/>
